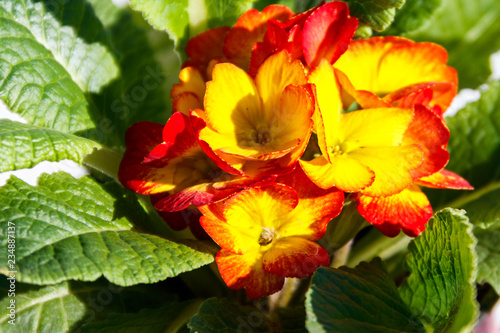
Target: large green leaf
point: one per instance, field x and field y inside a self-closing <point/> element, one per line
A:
<point x="442" y="261"/>
<point x="218" y="315"/>
<point x="413" y="15"/>
<point x="469" y="30"/>
<point x="363" y="299"/>
<point x="67" y="306"/>
<point x="68" y="228"/>
<point x="170" y="317"/>
<point x="184" y="19"/>
<point x="474" y="148"/>
<point x="24" y="146"/>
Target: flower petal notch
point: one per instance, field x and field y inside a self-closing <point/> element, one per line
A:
<point x="378" y="67"/>
<point x="257" y="127"/>
<point x="361" y="150"/>
<point x="268" y="233"/>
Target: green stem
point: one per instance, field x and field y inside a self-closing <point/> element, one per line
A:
<point x="375" y="244"/>
<point x="340" y="256"/>
<point x="476" y="194"/>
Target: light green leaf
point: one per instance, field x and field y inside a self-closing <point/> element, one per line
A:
<point x="363" y="299"/>
<point x="70" y="31"/>
<point x="185" y="19"/>
<point x="218" y="315"/>
<point x="469" y="30"/>
<point x="443" y="265"/>
<point x="67" y="306"/>
<point x="374" y="14"/>
<point x="413" y="15"/>
<point x="24" y="146"/>
<point x="474" y="148"/>
<point x="171" y="317"/>
<point x="79" y="229"/>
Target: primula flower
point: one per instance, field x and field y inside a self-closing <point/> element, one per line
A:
<point x="168" y="160"/>
<point x="321" y="33"/>
<point x="268" y="233"/>
<point x="362" y="151"/>
<point x="260" y="127"/>
<point x="384" y="71"/>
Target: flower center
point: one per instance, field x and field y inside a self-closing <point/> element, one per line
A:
<point x="263" y="137"/>
<point x="335" y="150"/>
<point x="266" y="237"/>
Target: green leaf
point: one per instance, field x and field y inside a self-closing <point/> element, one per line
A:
<point x="67" y="306"/>
<point x="363" y="299"/>
<point x="474" y="148"/>
<point x="68" y="228"/>
<point x="218" y="315"/>
<point x="413" y="15"/>
<point x="185" y="19"/>
<point x="171" y="317"/>
<point x="24" y="146"/>
<point x="375" y="14"/>
<point x="442" y="261"/>
<point x="469" y="30"/>
<point x="140" y="92"/>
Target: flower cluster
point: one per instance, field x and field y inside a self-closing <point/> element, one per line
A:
<point x="279" y="118"/>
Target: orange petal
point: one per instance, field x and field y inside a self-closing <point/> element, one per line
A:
<point x="445" y="179"/>
<point x="365" y="99"/>
<point x="345" y="173"/>
<point x="408" y="210"/>
<point x="232" y="102"/>
<point x="327" y="33"/>
<point x="191" y="80"/>
<point x="186" y="102"/>
<point x="294" y="257"/>
<point x="249" y="29"/>
<point x="246" y="271"/>
<point x="391" y="166"/>
<point x="429" y="131"/>
<point x="315" y="209"/>
<point x="205" y="46"/>
<point x="383" y="65"/>
<point x="273" y="76"/>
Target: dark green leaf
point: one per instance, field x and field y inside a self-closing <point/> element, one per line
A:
<point x="24" y="146"/>
<point x="469" y="30"/>
<point x="363" y="299"/>
<point x="415" y="14"/>
<point x="169" y="318"/>
<point x="374" y="14"/>
<point x="218" y="315"/>
<point x="67" y="306"/>
<point x="442" y="261"/>
<point x="79" y="229"/>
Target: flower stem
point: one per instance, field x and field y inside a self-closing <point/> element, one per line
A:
<point x="340" y="256"/>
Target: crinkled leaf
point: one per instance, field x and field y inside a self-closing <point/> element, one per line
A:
<point x="168" y="318"/>
<point x="76" y="229"/>
<point x="374" y="14"/>
<point x="443" y="264"/>
<point x="67" y="306"/>
<point x="413" y="15"/>
<point x="184" y="19"/>
<point x="474" y="147"/>
<point x="484" y="213"/>
<point x="24" y="146"/>
<point x="363" y="299"/>
<point x="218" y="315"/>
<point x="469" y="30"/>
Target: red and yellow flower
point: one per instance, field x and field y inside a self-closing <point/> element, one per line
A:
<point x="257" y="127"/>
<point x="268" y="233"/>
